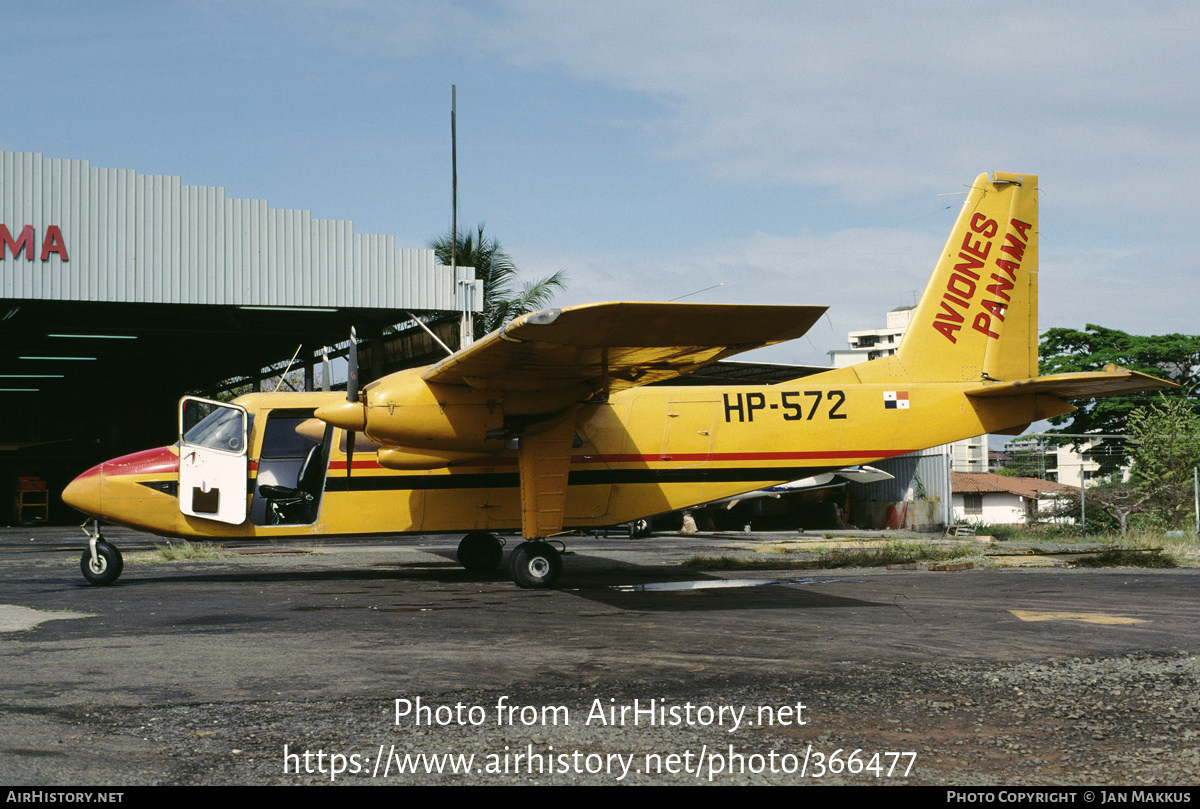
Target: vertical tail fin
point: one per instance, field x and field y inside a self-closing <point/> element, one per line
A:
<point x="978" y="316"/>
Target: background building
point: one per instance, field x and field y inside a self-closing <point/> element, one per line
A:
<point x="121" y="291"/>
<point x="871" y="344"/>
<point x="1000" y="500"/>
<point x="1067" y="463"/>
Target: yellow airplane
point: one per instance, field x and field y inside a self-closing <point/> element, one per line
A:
<point x="548" y="424"/>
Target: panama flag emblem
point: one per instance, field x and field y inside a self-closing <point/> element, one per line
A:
<point x="895" y="399"/>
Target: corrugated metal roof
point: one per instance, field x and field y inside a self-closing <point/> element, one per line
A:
<point x="132" y="237"/>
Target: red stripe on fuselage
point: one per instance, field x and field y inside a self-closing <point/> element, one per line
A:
<point x="730" y="457"/>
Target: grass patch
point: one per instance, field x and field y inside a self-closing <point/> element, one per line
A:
<point x="184" y="551"/>
<point x="1000" y="532"/>
<point x="893" y="553"/>
<point x="1182" y="548"/>
<point x="897" y="554"/>
<point x="726" y="562"/>
<point x="1047" y="532"/>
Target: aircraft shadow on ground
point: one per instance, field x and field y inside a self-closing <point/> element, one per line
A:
<point x="629" y="587"/>
<point x="752" y="597"/>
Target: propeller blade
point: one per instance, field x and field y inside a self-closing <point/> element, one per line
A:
<point x="352" y="379"/>
<point x="351" y="396"/>
<point x="350" y="415"/>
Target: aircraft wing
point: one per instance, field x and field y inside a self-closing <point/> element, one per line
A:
<point x="615" y="346"/>
<point x="1111" y="381"/>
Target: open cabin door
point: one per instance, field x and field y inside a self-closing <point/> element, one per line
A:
<point x="213" y="460"/>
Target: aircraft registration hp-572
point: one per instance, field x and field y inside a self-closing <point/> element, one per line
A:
<point x="548" y="424"/>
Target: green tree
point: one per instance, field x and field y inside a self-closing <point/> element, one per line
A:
<point x="1171" y="356"/>
<point x="1108" y="506"/>
<point x="1165" y="441"/>
<point x="503" y="300"/>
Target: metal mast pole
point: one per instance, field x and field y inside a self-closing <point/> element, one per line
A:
<point x="466" y="332"/>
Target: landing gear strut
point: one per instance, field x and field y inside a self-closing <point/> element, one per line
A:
<point x="480" y="552"/>
<point x="101" y="563"/>
<point x="535" y="564"/>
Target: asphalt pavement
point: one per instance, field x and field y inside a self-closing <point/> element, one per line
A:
<point x="385" y="662"/>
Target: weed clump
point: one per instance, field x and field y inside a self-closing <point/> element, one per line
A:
<point x="187" y="551"/>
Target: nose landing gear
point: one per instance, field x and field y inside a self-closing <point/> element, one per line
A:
<point x="101" y="563"/>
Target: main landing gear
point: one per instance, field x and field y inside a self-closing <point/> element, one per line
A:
<point x="101" y="563"/>
<point x="535" y="564"/>
<point x="480" y="551"/>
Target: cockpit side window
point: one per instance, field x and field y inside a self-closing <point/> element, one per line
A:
<point x="215" y="426"/>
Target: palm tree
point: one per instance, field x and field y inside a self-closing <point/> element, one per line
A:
<point x="493" y="266"/>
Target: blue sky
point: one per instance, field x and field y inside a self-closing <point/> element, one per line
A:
<point x="797" y="152"/>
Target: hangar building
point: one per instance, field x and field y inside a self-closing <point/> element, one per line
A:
<point x="120" y="291"/>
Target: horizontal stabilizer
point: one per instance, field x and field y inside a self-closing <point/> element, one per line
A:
<point x="1112" y="381"/>
<point x="613" y="346"/>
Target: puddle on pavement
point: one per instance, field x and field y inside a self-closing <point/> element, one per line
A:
<point x="710" y="584"/>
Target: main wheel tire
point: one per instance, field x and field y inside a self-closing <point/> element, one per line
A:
<point x="640" y="529"/>
<point x="535" y="565"/>
<point x="480" y="552"/>
<point x="107" y="567"/>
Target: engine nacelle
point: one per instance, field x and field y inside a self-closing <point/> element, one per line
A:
<point x="403" y="410"/>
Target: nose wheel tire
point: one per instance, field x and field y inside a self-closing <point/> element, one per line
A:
<point x="480" y="552"/>
<point x="535" y="565"/>
<point x="107" y="566"/>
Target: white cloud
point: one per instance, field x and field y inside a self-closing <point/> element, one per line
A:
<point x="886" y="98"/>
<point x="871" y="100"/>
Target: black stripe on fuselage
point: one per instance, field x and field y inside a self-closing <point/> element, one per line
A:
<point x="591" y="477"/>
<point x="507" y="480"/>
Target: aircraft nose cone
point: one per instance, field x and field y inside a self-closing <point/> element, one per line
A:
<point x="347" y="415"/>
<point x="83" y="493"/>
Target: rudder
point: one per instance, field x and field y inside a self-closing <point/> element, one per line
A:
<point x="978" y="316"/>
